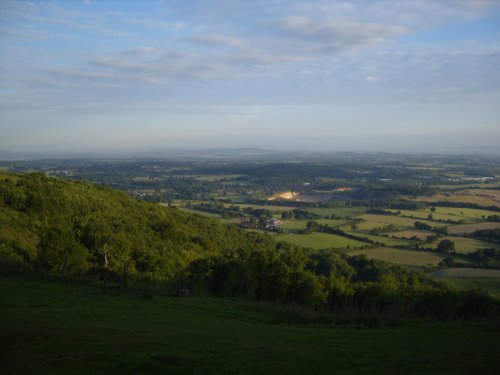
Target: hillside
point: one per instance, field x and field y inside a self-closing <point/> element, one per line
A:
<point x="74" y="227"/>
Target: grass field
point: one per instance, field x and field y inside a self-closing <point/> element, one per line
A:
<point x="470" y="228"/>
<point x="319" y="240"/>
<point x="404" y="257"/>
<point x="464" y="245"/>
<point x="61" y="329"/>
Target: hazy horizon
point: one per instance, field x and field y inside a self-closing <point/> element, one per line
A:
<point x="330" y="76"/>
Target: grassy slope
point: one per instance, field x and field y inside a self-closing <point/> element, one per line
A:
<point x="59" y="329"/>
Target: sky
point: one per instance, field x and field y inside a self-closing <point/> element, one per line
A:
<point x="360" y="75"/>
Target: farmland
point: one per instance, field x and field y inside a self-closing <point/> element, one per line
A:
<point x="381" y="203"/>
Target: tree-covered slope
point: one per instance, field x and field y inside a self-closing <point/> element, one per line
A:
<point x="75" y="227"/>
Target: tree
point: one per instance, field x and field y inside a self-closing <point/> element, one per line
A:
<point x="446" y="246"/>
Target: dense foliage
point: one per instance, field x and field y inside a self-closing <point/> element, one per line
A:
<point x="67" y="227"/>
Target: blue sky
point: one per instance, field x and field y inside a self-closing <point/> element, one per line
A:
<point x="387" y="75"/>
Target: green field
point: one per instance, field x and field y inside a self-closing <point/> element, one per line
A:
<point x="403" y="257"/>
<point x="319" y="240"/>
<point x="61" y="329"/>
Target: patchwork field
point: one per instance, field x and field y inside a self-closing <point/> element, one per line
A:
<point x="319" y="240"/>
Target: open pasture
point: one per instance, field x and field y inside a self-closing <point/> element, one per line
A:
<point x="319" y="240"/>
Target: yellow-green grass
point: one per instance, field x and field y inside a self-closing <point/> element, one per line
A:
<point x="301" y="224"/>
<point x="420" y="234"/>
<point x="410" y="258"/>
<point x="465" y="245"/>
<point x="471" y="228"/>
<point x="320" y="240"/>
<point x="58" y="329"/>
